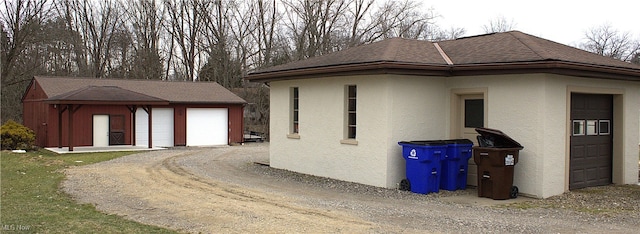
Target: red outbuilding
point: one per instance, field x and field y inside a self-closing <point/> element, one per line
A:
<point x="69" y="112"/>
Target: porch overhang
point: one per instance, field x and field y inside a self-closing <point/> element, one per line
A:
<point x="101" y="95"/>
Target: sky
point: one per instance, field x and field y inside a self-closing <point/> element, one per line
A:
<point x="563" y="21"/>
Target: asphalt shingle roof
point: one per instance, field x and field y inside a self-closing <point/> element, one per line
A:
<point x="395" y="49"/>
<point x="478" y="52"/>
<point x="173" y="92"/>
<point x="515" y="46"/>
<point x="112" y="94"/>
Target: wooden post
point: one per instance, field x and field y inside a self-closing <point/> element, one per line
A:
<point x="60" y="110"/>
<point x="150" y="128"/>
<point x="133" y="110"/>
<point x="70" y="108"/>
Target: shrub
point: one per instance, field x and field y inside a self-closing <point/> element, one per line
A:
<point x="16" y="136"/>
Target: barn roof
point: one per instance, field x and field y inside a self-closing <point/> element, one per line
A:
<point x="141" y="90"/>
<point x="496" y="53"/>
<point x="105" y="95"/>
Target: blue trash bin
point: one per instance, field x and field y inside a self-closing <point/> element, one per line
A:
<point x="454" y="166"/>
<point x="423" y="165"/>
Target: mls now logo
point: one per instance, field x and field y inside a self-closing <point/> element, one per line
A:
<point x="413" y="154"/>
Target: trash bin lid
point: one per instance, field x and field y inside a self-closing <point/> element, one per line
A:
<point x="423" y="143"/>
<point x="495" y="138"/>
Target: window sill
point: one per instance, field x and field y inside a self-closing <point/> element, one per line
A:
<point x="293" y="136"/>
<point x="349" y="142"/>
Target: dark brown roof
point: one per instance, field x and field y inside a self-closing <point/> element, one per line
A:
<point x="392" y="50"/>
<point x="105" y="95"/>
<point x="173" y="92"/>
<point x="508" y="52"/>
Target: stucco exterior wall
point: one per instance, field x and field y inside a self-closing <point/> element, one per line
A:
<point x="531" y="108"/>
<point x="418" y="111"/>
<point x="318" y="150"/>
<point x="516" y="106"/>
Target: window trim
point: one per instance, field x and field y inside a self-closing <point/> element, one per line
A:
<point x="294" y="113"/>
<point x="600" y="124"/>
<point x="581" y="129"/>
<point x="456" y="97"/>
<point x="350" y="115"/>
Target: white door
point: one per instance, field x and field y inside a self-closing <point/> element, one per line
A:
<point x="472" y="115"/>
<point x="100" y="130"/>
<point x="207" y="126"/>
<point x="162" y="129"/>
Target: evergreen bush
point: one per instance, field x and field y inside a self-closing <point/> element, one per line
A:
<point x="15" y="136"/>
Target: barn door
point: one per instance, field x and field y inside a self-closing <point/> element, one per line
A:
<point x="591" y="140"/>
<point x="116" y="130"/>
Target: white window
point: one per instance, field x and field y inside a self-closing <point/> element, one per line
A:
<point x="592" y="129"/>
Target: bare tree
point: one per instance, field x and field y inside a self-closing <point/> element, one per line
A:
<point x="96" y="23"/>
<point x="185" y="25"/>
<point x="266" y="34"/>
<point x="257" y="119"/>
<point x="21" y="57"/>
<point x="120" y="61"/>
<point x="499" y="24"/>
<point x="21" y="22"/>
<point x="59" y="48"/>
<point x="319" y="27"/>
<point x="221" y="66"/>
<point x="636" y="58"/>
<point x="361" y="25"/>
<point x="607" y="41"/>
<point x="438" y="34"/>
<point x="403" y="19"/>
<point x="66" y="11"/>
<point x="145" y="21"/>
<point x="243" y="25"/>
<point x="312" y="25"/>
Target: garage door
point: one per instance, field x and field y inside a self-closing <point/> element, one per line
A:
<point x="207" y="126"/>
<point x="591" y="140"/>
<point x="162" y="127"/>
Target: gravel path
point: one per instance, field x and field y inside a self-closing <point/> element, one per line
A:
<point x="213" y="190"/>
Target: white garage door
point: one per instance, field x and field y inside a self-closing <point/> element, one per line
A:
<point x="207" y="126"/>
<point x="162" y="127"/>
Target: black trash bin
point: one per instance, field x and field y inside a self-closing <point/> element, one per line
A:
<point x="496" y="156"/>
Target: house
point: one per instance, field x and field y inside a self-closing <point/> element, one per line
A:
<point x="342" y="115"/>
<point x="69" y="112"/>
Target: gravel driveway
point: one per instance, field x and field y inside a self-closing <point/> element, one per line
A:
<point x="223" y="190"/>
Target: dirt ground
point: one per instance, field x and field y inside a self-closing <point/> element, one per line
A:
<point x="223" y="190"/>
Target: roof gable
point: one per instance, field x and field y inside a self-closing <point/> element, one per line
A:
<point x="174" y="92"/>
<point x="496" y="53"/>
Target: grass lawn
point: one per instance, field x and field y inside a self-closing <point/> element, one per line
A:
<point x="32" y="202"/>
